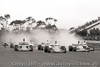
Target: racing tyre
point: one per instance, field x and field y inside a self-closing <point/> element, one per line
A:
<point x="31" y="48"/>
<point x="70" y="48"/>
<point x="74" y="49"/>
<point x="46" y="49"/>
<point x="5" y="45"/>
<point x="88" y="50"/>
<point x="40" y="47"/>
<point x="65" y="51"/>
<point x="63" y="48"/>
<point x="11" y="45"/>
<point x="16" y="48"/>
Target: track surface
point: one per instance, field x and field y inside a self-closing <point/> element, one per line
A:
<point x="11" y="58"/>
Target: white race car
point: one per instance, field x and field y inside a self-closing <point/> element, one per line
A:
<point x="23" y="46"/>
<point x="79" y="47"/>
<point x="55" y="48"/>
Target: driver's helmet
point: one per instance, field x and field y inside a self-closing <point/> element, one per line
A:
<point x="23" y="40"/>
<point x="55" y="42"/>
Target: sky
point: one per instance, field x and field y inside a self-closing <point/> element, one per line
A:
<point x="69" y="13"/>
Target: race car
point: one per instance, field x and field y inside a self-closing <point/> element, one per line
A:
<point x="23" y="46"/>
<point x="5" y="44"/>
<point x="79" y="48"/>
<point x="54" y="48"/>
<point x="89" y="47"/>
<point x="41" y="46"/>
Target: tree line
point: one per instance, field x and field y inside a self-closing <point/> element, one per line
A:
<point x="30" y="20"/>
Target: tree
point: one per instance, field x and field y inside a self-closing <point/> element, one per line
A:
<point x="17" y="22"/>
<point x="50" y="26"/>
<point x="50" y="18"/>
<point x="30" y="19"/>
<point x="1" y="17"/>
<point x="39" y="23"/>
<point x="7" y="16"/>
<point x="4" y="20"/>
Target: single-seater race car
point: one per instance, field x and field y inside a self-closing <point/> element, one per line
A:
<point x="5" y="44"/>
<point x="54" y="48"/>
<point x="23" y="46"/>
<point x="88" y="47"/>
<point x="41" y="46"/>
<point x="79" y="48"/>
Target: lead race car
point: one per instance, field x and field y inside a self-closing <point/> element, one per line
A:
<point x="23" y="46"/>
<point x="55" y="48"/>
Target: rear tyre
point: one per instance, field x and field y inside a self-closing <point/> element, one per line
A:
<point x="74" y="49"/>
<point x="63" y="48"/>
<point x="40" y="47"/>
<point x="46" y="49"/>
<point x="11" y="45"/>
<point x="70" y="48"/>
<point x="65" y="51"/>
<point x="16" y="48"/>
<point x="88" y="50"/>
<point x="31" y="48"/>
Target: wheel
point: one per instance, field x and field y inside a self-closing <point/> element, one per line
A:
<point x="93" y="49"/>
<point x="74" y="49"/>
<point x="88" y="50"/>
<point x="63" y="48"/>
<point x="70" y="48"/>
<point x="5" y="45"/>
<point x="16" y="48"/>
<point x="40" y="47"/>
<point x="65" y="51"/>
<point x="11" y="45"/>
<point x="46" y="49"/>
<point x="31" y="48"/>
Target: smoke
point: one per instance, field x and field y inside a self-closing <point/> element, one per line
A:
<point x="63" y="37"/>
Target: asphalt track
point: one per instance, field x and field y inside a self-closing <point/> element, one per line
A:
<point x="11" y="58"/>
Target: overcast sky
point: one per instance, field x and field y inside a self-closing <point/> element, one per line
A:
<point x="69" y="13"/>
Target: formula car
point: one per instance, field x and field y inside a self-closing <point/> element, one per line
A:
<point x="23" y="46"/>
<point x="41" y="46"/>
<point x="54" y="48"/>
<point x="79" y="48"/>
<point x="5" y="44"/>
